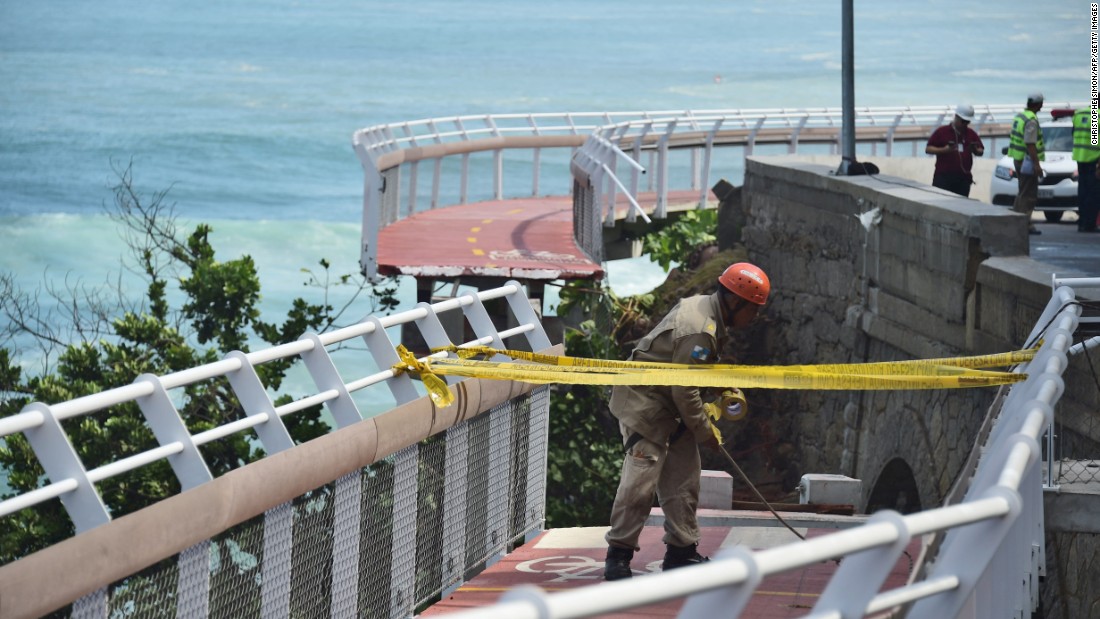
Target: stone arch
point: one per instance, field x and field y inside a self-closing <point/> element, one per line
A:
<point x="895" y="488"/>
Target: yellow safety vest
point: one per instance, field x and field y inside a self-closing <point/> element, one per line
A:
<point x="1084" y="151"/>
<point x="1016" y="147"/>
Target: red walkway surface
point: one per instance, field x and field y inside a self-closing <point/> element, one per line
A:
<point x="523" y="238"/>
<point x="528" y="239"/>
<point x="562" y="559"/>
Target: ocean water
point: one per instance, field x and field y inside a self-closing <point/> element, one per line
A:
<point x="244" y="109"/>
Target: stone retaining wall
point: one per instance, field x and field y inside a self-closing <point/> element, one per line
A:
<point x="922" y="274"/>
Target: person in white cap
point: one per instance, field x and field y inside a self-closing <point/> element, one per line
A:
<point x="955" y="145"/>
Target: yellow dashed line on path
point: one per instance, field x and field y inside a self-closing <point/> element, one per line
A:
<point x="473" y="239"/>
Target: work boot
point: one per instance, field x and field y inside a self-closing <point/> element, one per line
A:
<point x="681" y="556"/>
<point x="617" y="564"/>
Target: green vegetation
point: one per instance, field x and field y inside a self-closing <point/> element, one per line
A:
<point x="676" y="241"/>
<point x="111" y="343"/>
<point x="585" y="452"/>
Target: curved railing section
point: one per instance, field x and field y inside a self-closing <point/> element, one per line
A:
<point x="539" y="146"/>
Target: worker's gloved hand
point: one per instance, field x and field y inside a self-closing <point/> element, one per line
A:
<point x="712" y="411"/>
<point x="732" y="405"/>
<point x="714" y="441"/>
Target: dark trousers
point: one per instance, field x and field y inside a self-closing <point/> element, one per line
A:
<point x="1088" y="196"/>
<point x="1026" y="196"/>
<point x="955" y="183"/>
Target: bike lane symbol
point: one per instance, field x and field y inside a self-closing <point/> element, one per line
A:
<point x="571" y="567"/>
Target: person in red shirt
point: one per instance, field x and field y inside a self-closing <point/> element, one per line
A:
<point x="955" y="145"/>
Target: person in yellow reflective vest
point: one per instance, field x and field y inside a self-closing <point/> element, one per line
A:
<point x="1085" y="153"/>
<point x="663" y="426"/>
<point x="1025" y="145"/>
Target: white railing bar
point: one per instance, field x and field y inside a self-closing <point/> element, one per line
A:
<point x="232" y="427"/>
<point x="814" y="550"/>
<point x="347" y="333"/>
<point x="826" y="117"/>
<point x="34" y="497"/>
<point x="20" y="422"/>
<point x="135" y="461"/>
<point x="1015" y="464"/>
<point x="633" y="203"/>
<point x="640" y="593"/>
<point x="367" y="381"/>
<point x="101" y="400"/>
<point x="1077" y="282"/>
<point x="202" y="372"/>
<point x="1035" y="424"/>
<point x="957" y="515"/>
<point x="1082" y="346"/>
<point x="481" y="341"/>
<point x="304" y="403"/>
<point x="911" y="593"/>
<point x="514" y="331"/>
<point x="281" y="351"/>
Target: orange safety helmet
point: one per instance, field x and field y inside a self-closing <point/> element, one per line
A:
<point x="747" y="281"/>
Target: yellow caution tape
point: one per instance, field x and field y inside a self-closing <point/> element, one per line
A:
<point x="893" y="367"/>
<point x="733" y="405"/>
<point x="437" y="388"/>
<point x="952" y="373"/>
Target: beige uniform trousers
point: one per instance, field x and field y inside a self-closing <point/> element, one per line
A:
<point x="672" y="471"/>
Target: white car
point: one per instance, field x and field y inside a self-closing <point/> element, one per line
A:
<point x="1058" y="187"/>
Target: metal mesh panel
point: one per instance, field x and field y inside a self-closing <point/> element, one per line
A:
<point x="150" y="593"/>
<point x="1076" y="429"/>
<point x="430" y="518"/>
<point x="384" y="541"/>
<point x="538" y="434"/>
<point x="376" y="533"/>
<point x="311" y="563"/>
<point x="477" y="491"/>
<point x="587" y="227"/>
<point x="235" y="566"/>
<point x="1075" y="456"/>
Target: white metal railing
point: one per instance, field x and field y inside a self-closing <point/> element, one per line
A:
<point x="392" y="154"/>
<point x="992" y="539"/>
<point x="75" y="485"/>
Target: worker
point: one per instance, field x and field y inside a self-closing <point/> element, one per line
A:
<point x="663" y="426"/>
<point x="1025" y="146"/>
<point x="955" y="145"/>
<point x="1085" y="153"/>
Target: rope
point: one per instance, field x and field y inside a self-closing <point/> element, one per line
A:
<point x="745" y="478"/>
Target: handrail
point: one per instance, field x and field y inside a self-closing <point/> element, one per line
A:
<point x="75" y="484"/>
<point x="1002" y="509"/>
<point x="391" y="154"/>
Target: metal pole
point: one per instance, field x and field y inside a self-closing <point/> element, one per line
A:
<point x="848" y="91"/>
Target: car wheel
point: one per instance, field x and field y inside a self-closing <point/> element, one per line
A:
<point x="1053" y="216"/>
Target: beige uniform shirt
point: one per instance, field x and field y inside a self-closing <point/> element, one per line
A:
<point x="690" y="333"/>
